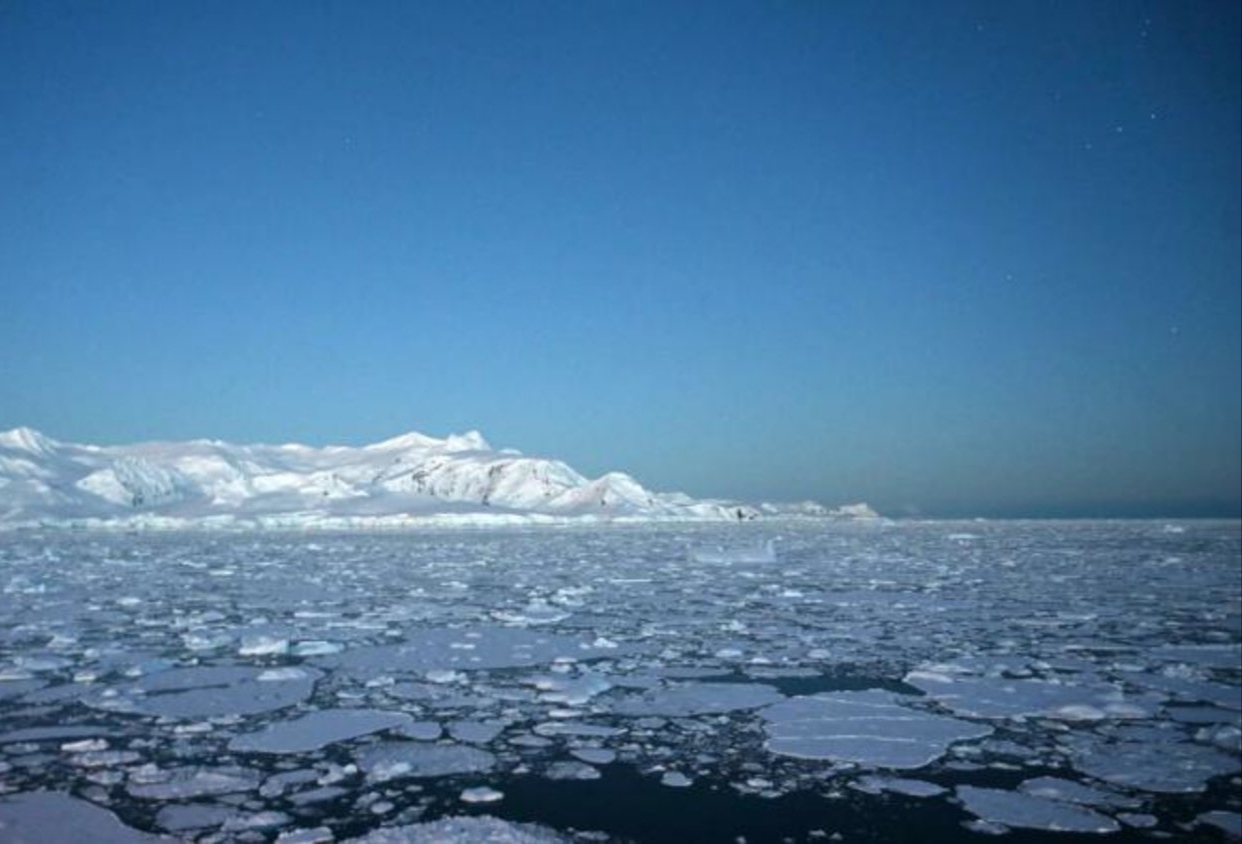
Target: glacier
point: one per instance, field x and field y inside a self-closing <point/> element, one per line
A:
<point x="408" y="480"/>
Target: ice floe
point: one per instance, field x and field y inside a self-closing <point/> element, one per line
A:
<point x="1165" y="766"/>
<point x="400" y="759"/>
<point x="317" y="729"/>
<point x="698" y="699"/>
<point x="187" y="783"/>
<point x="48" y="817"/>
<point x="1014" y="809"/>
<point x="867" y="727"/>
<point x="998" y="697"/>
<point x="463" y="830"/>
<point x="201" y="692"/>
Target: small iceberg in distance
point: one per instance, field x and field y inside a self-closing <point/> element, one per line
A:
<point x="763" y="553"/>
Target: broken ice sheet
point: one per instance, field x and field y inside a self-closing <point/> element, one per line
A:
<point x="475" y="732"/>
<point x="191" y="782"/>
<point x="1069" y="791"/>
<point x="1223" y="656"/>
<point x="571" y="691"/>
<point x="190" y="817"/>
<point x="869" y="728"/>
<point x="203" y="692"/>
<point x="481" y="794"/>
<point x="445" y="649"/>
<point x="1170" y="767"/>
<point x="873" y="784"/>
<point x="698" y="699"/>
<point x="464" y="830"/>
<point x="571" y="770"/>
<point x="49" y="817"/>
<point x="55" y="733"/>
<point x="1000" y="697"/>
<point x="317" y="729"/>
<point x="400" y="759"/>
<point x="1012" y="809"/>
<point x="1229" y="823"/>
<point x="1022" y="603"/>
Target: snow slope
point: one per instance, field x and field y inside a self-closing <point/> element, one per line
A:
<point x="412" y="478"/>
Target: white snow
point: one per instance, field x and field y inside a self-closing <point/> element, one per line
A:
<point x="408" y="480"/>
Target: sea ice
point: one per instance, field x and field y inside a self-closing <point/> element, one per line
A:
<point x="439" y="649"/>
<point x="763" y="553"/>
<point x="463" y="830"/>
<point x="1069" y="791"/>
<point x="54" y="733"/>
<point x="1229" y="823"/>
<point x="594" y="755"/>
<point x="534" y="613"/>
<point x="999" y="697"/>
<point x="481" y="794"/>
<point x="867" y="727"/>
<point x="49" y="817"/>
<point x="190" y="782"/>
<point x="263" y="646"/>
<point x="202" y="692"/>
<point x="315" y="835"/>
<point x="1012" y="809"/>
<point x="873" y="784"/>
<point x="568" y="770"/>
<point x="256" y="820"/>
<point x="180" y="818"/>
<point x="1127" y="690"/>
<point x="1223" y="656"/>
<point x="570" y="691"/>
<point x="1170" y="767"/>
<point x="398" y="759"/>
<point x="675" y="779"/>
<point x="475" y="732"/>
<point x="317" y="729"/>
<point x="420" y="730"/>
<point x="698" y="699"/>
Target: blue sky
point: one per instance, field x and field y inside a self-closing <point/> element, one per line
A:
<point x="952" y="258"/>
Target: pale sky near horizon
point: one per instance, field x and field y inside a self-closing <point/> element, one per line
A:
<point x="953" y="258"/>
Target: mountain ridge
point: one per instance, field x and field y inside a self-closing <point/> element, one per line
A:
<point x="412" y="478"/>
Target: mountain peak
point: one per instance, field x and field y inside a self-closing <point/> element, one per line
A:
<point x="413" y="439"/>
<point x="400" y="481"/>
<point x="469" y="441"/>
<point x="27" y="439"/>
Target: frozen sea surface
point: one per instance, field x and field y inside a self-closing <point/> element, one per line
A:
<point x="767" y="682"/>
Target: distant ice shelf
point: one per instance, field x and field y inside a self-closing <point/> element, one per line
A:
<point x="410" y="480"/>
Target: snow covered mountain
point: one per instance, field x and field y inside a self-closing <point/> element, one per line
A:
<point x="412" y="478"/>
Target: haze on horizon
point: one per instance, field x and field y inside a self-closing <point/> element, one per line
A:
<point x="974" y="259"/>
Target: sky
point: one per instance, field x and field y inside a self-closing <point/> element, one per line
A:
<point x="952" y="258"/>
